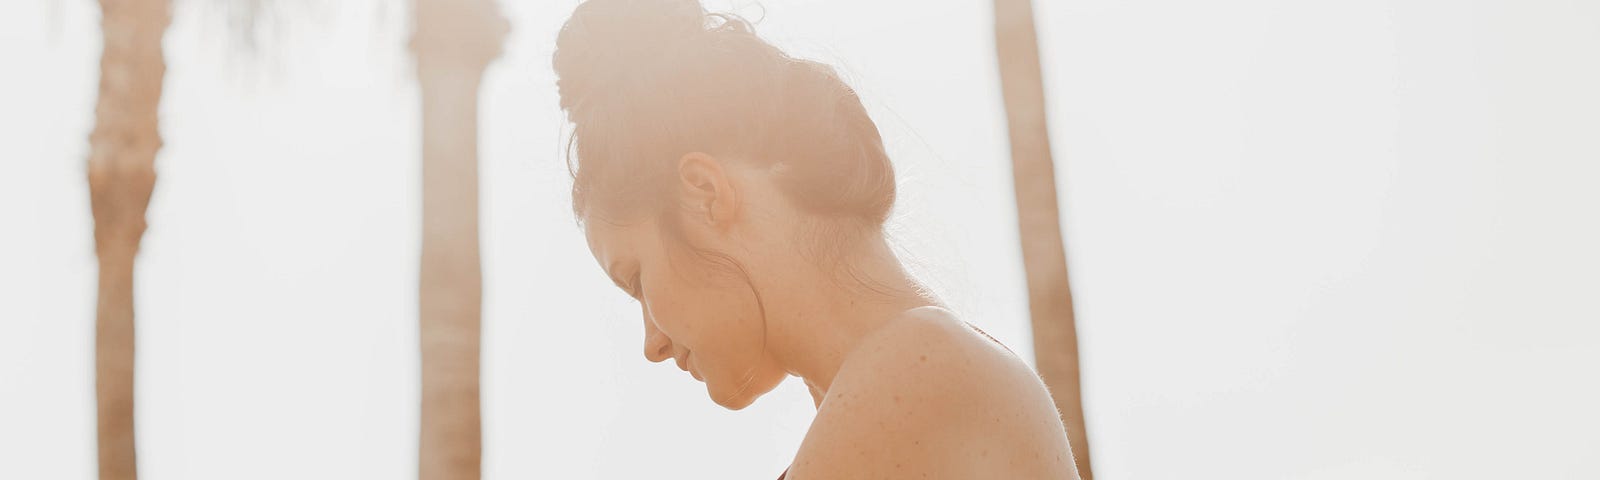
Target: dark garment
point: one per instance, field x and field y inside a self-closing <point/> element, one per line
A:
<point x="784" y="474"/>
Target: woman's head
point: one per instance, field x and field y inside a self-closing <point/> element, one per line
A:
<point x="703" y="156"/>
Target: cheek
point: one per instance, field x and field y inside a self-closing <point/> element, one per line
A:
<point x="711" y="317"/>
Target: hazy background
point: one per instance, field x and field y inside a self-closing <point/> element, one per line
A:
<point x="1312" y="240"/>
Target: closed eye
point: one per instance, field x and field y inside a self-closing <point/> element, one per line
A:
<point x="629" y="288"/>
<point x="634" y="289"/>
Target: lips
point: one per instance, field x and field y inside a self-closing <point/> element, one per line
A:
<point x="683" y="364"/>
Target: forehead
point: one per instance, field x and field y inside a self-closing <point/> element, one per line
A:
<point x="610" y="242"/>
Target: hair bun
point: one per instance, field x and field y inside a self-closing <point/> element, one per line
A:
<point x="606" y="40"/>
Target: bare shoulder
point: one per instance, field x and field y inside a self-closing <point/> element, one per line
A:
<point x="929" y="396"/>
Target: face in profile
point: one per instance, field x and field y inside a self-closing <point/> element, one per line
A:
<point x="635" y="81"/>
<point x="701" y="313"/>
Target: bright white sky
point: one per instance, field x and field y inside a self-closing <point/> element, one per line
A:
<point x="1310" y="240"/>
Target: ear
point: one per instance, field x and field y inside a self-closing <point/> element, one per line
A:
<point x="706" y="190"/>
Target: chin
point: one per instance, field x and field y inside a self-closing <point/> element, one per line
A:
<point x="730" y="396"/>
<point x="736" y="403"/>
<point x="732" y="400"/>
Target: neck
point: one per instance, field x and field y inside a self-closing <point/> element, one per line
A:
<point x="812" y="329"/>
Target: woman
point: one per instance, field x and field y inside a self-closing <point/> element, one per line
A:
<point x="739" y="194"/>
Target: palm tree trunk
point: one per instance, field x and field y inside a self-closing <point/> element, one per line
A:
<point x="1055" y="337"/>
<point x="453" y="41"/>
<point x="121" y="174"/>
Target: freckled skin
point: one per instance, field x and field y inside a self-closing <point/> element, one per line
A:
<point x="903" y="388"/>
<point x="971" y="410"/>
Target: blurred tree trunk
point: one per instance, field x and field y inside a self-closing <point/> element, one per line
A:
<point x="1055" y="337"/>
<point x="121" y="174"/>
<point x="453" y="41"/>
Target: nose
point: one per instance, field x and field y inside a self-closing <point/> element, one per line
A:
<point x="657" y="347"/>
